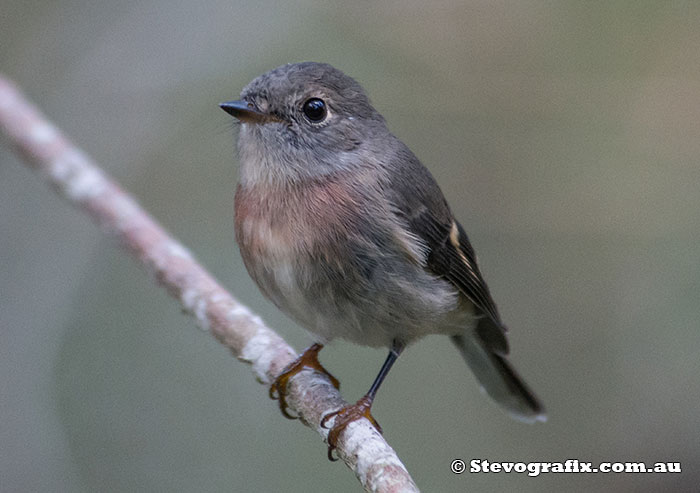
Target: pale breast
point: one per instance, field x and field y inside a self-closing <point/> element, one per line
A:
<point x="283" y="235"/>
<point x="326" y="259"/>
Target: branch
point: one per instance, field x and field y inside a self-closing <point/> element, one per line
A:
<point x="77" y="178"/>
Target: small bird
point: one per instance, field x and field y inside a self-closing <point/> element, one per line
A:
<point x="345" y="231"/>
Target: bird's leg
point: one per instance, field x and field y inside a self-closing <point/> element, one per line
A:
<point x="361" y="409"/>
<point x="308" y="359"/>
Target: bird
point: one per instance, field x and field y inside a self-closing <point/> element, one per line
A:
<point x="345" y="230"/>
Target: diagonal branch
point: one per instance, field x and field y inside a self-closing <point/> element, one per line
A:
<point x="76" y="177"/>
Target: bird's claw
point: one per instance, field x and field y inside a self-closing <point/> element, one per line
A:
<point x="308" y="359"/>
<point x="345" y="416"/>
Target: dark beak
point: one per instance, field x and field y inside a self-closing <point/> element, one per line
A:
<point x="246" y="112"/>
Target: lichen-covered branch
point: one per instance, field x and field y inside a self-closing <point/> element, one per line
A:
<point x="76" y="177"/>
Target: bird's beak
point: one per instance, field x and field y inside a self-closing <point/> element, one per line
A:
<point x="246" y="112"/>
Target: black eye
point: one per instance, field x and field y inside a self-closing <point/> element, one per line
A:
<point x="315" y="109"/>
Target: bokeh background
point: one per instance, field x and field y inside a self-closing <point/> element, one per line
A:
<point x="566" y="136"/>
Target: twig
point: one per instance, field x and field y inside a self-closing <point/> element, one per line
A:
<point x="76" y="177"/>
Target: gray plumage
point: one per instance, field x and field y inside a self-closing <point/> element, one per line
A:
<point x="347" y="232"/>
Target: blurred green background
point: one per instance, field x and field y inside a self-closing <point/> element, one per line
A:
<point x="566" y="136"/>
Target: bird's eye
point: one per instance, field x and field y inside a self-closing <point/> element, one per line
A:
<point x="315" y="110"/>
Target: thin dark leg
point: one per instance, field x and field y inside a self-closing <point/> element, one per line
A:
<point x="361" y="409"/>
<point x="394" y="353"/>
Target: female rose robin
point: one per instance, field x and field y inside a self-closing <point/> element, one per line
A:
<point x="345" y="231"/>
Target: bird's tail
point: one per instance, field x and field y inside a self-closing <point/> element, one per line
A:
<point x="498" y="378"/>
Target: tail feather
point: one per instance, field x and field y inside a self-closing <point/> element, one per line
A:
<point x="500" y="381"/>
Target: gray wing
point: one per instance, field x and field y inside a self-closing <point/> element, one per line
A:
<point x="421" y="204"/>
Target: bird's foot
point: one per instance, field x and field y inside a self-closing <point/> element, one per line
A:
<point x="308" y="359"/>
<point x="345" y="416"/>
